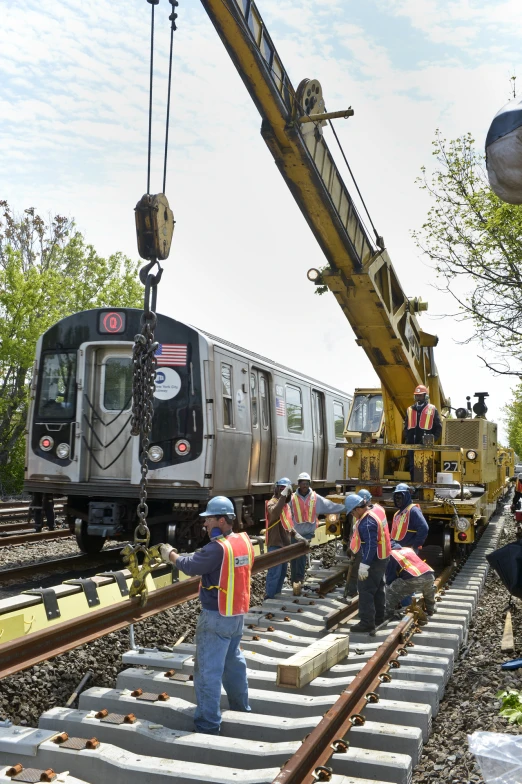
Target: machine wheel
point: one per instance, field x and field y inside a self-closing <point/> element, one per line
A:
<point x="447" y="541"/>
<point x="87" y="542"/>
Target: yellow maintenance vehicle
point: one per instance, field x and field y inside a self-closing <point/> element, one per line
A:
<point x="361" y="276"/>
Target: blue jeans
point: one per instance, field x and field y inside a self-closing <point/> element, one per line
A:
<point x="275" y="577"/>
<point x="298" y="565"/>
<point x="218" y="661"/>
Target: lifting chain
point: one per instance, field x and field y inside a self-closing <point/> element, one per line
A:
<point x="154" y="229"/>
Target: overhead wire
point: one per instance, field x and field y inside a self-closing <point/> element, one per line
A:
<point x="172" y="18"/>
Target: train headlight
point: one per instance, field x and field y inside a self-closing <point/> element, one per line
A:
<point x="62" y="451"/>
<point x="471" y="454"/>
<point x="155" y="454"/>
<point x="462" y="524"/>
<point x="182" y="447"/>
<point x="46" y="443"/>
<point x="349" y="453"/>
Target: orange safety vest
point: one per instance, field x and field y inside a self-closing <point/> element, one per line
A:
<point x="303" y="509"/>
<point x="378" y="514"/>
<point x="410" y="562"/>
<point x="401" y="519"/>
<point x="234" y="578"/>
<point x="518" y="488"/>
<point x="285" y="520"/>
<point x="426" y="418"/>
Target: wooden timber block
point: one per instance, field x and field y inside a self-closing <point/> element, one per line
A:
<point x="508" y="641"/>
<point x="304" y="666"/>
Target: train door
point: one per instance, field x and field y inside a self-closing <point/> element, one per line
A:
<point x="261" y="430"/>
<point x="318" y="430"/>
<point x="107" y="414"/>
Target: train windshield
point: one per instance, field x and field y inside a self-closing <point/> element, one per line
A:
<point x="57" y="386"/>
<point x="366" y="414"/>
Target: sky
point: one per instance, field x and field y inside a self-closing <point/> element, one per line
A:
<point x="73" y="141"/>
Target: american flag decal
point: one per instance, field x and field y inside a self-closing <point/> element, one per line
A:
<point x="171" y="354"/>
<point x="280" y="406"/>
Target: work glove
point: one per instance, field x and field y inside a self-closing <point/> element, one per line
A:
<point x="165" y="551"/>
<point x="363" y="571"/>
<point x="300" y="538"/>
<point x="287" y="492"/>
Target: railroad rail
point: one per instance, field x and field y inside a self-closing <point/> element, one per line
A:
<point x="366" y="716"/>
<point x="21" y="509"/>
<point x="63" y="564"/>
<point x="27" y="538"/>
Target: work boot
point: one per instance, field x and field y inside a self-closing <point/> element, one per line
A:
<point x="297" y="588"/>
<point x="362" y="628"/>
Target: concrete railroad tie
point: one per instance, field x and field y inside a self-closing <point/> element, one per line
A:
<point x="156" y="741"/>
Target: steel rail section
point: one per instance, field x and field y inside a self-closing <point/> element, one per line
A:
<point x="327" y="738"/>
<point x="39" y="646"/>
<point x="66" y="562"/>
<point x="42" y="536"/>
<point x="330" y="582"/>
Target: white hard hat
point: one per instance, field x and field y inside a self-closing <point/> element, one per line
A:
<point x="304" y="476"/>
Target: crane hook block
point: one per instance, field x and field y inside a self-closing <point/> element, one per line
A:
<point x="154" y="226"/>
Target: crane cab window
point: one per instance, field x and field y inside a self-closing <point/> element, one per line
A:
<point x="294" y="409"/>
<point x="226" y="387"/>
<point x="57" y="399"/>
<point x="117" y="384"/>
<point x="338" y="419"/>
<point x="366" y="414"/>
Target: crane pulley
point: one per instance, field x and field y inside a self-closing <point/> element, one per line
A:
<point x="154" y="231"/>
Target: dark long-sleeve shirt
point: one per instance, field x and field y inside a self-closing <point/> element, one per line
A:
<point x="417" y="531"/>
<point x="368" y="531"/>
<point x="207" y="563"/>
<point x="415" y="434"/>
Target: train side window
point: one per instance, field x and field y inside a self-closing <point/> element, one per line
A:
<point x="226" y="384"/>
<point x="338" y="419"/>
<point x="117" y="384"/>
<point x="264" y="402"/>
<point x="253" y="396"/>
<point x="294" y="409"/>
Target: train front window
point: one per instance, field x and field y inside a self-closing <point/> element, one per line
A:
<point x="366" y="414"/>
<point x="57" y="386"/>
<point x="117" y="385"/>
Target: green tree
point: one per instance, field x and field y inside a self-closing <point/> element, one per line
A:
<point x="513" y="420"/>
<point x="47" y="271"/>
<point x="474" y="241"/>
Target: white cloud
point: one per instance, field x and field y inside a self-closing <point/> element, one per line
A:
<point x="73" y="102"/>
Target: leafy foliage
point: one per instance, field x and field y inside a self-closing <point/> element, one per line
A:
<point x="513" y="418"/>
<point x="511" y="705"/>
<point x="47" y="271"/>
<point x="474" y="241"/>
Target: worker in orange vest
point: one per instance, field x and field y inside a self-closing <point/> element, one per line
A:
<point x="279" y="532"/>
<point x="422" y="418"/>
<point x="518" y="494"/>
<point x="407" y="574"/>
<point x="371" y="537"/>
<point x="225" y="566"/>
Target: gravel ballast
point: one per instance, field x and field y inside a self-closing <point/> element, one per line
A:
<point x="469" y="703"/>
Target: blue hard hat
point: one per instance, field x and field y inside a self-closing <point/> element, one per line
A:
<point x="284" y="481"/>
<point x="402" y="488"/>
<point x="351" y="501"/>
<point x="365" y="495"/>
<point x="219" y="507"/>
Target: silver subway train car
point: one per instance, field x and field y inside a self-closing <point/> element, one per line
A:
<point x="226" y="422"/>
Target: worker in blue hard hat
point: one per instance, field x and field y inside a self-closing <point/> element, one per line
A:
<point x="409" y="526"/>
<point x="306" y="506"/>
<point x="371" y="538"/>
<point x="225" y="566"/>
<point x="350" y="589"/>
<point x="279" y="532"/>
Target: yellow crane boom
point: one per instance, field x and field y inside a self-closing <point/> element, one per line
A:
<point x="360" y="274"/>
